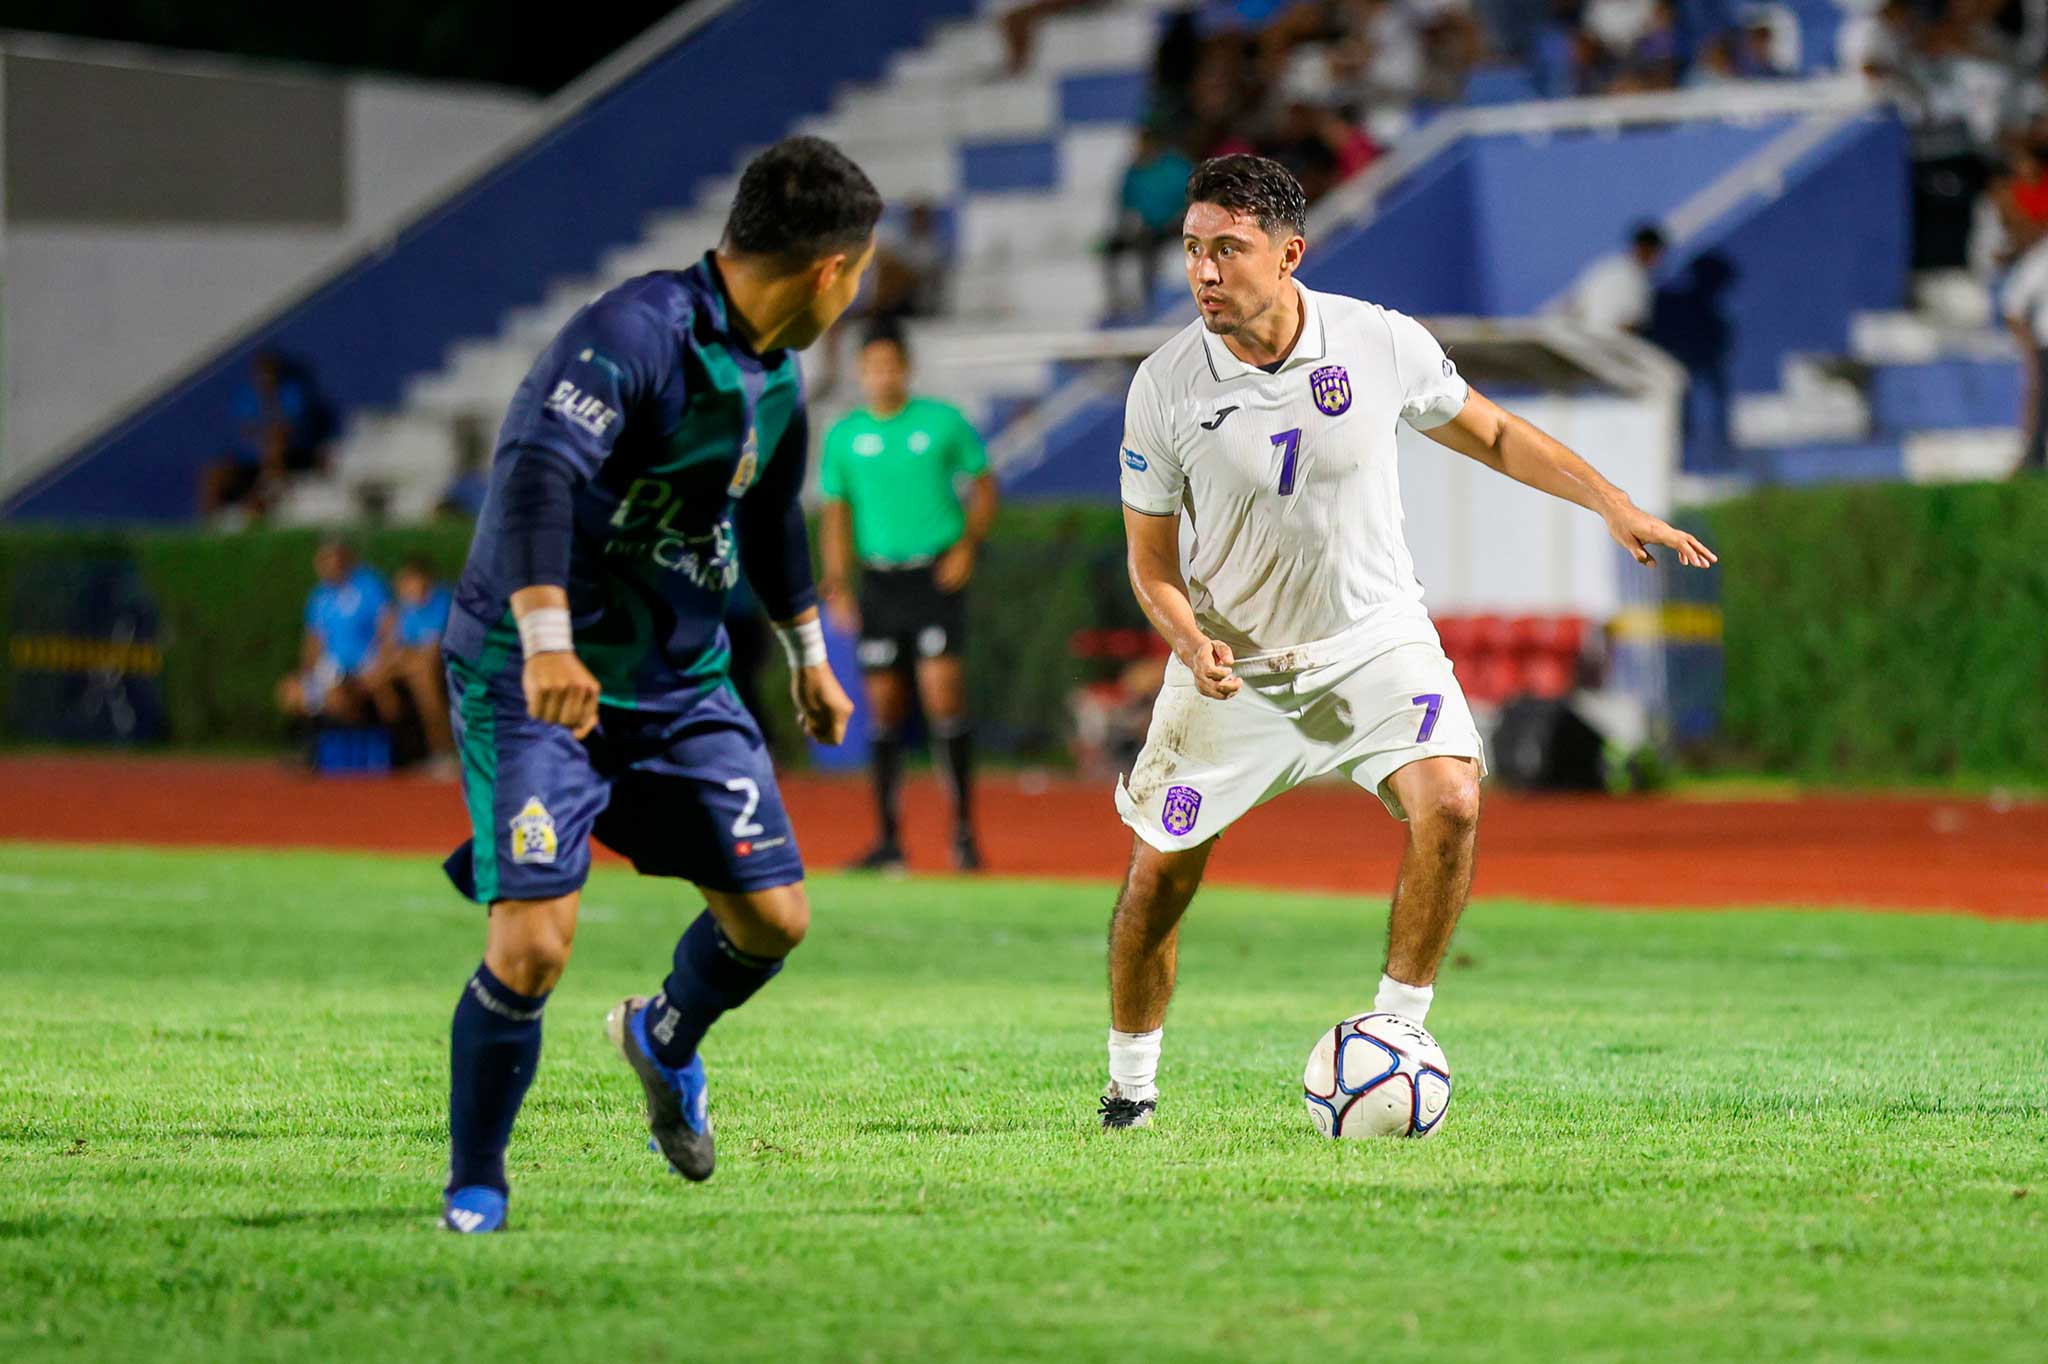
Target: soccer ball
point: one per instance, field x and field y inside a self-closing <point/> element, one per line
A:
<point x="1377" y="1075"/>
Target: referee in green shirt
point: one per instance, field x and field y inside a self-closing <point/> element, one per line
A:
<point x="893" y="475"/>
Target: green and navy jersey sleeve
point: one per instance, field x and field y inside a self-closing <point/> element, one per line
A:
<point x="580" y="394"/>
<point x="774" y="539"/>
<point x="601" y="372"/>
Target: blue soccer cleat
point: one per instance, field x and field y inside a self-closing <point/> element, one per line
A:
<point x="474" y="1210"/>
<point x="678" y="1115"/>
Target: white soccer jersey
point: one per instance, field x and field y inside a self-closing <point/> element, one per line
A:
<point x="1288" y="480"/>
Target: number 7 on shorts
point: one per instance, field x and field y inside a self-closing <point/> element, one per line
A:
<point x="1433" y="704"/>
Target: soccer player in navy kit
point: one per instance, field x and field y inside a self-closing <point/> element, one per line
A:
<point x="655" y="450"/>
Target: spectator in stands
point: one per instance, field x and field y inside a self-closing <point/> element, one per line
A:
<point x="1320" y="146"/>
<point x="278" y="430"/>
<point x="909" y="278"/>
<point x="408" y="672"/>
<point x="1876" y="45"/>
<point x="1020" y="29"/>
<point x="343" y="616"/>
<point x="1614" y="294"/>
<point x="2025" y="307"/>
<point x="1689" y="319"/>
<point x="1649" y="59"/>
<point x="912" y="262"/>
<point x="463" y="498"/>
<point x="1150" y="203"/>
<point x="1768" y="45"/>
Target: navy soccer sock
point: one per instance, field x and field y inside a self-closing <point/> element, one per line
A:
<point x="494" y="1049"/>
<point x="710" y="977"/>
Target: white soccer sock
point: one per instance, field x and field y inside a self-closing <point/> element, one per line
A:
<point x="1409" y="1001"/>
<point x="1134" y="1063"/>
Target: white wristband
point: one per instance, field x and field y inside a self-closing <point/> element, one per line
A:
<point x="803" y="645"/>
<point x="545" y="630"/>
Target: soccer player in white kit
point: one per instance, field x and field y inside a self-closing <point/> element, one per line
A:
<point x="1300" y="643"/>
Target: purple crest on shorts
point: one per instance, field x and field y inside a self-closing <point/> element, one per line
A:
<point x="1183" y="803"/>
<point x="1331" y="388"/>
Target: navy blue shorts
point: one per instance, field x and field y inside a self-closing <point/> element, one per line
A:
<point x="690" y="795"/>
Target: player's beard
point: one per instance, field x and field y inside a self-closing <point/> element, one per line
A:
<point x="1228" y="322"/>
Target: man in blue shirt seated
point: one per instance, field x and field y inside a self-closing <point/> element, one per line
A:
<point x="409" y="655"/>
<point x="276" y="433"/>
<point x="342" y="615"/>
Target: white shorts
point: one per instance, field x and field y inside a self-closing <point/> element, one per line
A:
<point x="1206" y="762"/>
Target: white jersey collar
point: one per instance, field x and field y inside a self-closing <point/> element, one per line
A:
<point x="1313" y="345"/>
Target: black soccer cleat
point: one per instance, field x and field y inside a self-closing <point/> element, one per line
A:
<point x="1117" y="1111"/>
<point x="886" y="856"/>
<point x="966" y="855"/>
<point x="678" y="1116"/>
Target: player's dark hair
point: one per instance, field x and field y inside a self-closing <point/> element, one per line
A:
<point x="887" y="329"/>
<point x="416" y="563"/>
<point x="801" y="199"/>
<point x="1252" y="184"/>
<point x="1648" y="237"/>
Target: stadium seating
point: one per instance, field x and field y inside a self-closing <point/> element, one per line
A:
<point x="1022" y="170"/>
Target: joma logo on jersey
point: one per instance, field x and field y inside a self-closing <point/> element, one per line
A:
<point x="580" y="409"/>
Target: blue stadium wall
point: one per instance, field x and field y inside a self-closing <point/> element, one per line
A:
<point x="549" y="212"/>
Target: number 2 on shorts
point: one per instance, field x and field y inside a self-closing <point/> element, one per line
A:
<point x="1433" y="705"/>
<point x="1291" y="441"/>
<point x="744" y="826"/>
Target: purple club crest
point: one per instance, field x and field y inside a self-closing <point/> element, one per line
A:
<point x="1183" y="803"/>
<point x="1330" y="386"/>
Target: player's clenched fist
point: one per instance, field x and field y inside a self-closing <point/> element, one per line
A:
<point x="822" y="708"/>
<point x="561" y="691"/>
<point x="1211" y="664"/>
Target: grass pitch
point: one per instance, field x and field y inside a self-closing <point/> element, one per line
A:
<point x="1674" y="1137"/>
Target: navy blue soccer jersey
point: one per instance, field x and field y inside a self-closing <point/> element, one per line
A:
<point x="679" y="454"/>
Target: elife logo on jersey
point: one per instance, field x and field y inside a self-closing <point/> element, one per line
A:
<point x="580" y="409"/>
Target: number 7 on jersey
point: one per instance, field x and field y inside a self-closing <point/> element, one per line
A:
<point x="1290" y="442"/>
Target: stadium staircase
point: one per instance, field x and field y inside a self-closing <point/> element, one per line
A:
<point x="422" y="342"/>
<point x="1022" y="170"/>
<point x="1494" y="211"/>
<point x="1929" y="393"/>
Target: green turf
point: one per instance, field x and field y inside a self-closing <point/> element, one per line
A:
<point x="1675" y="1137"/>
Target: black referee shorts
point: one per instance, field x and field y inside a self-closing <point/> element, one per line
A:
<point x="905" y="616"/>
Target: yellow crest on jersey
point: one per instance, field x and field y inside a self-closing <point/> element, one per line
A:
<point x="533" y="833"/>
<point x="749" y="465"/>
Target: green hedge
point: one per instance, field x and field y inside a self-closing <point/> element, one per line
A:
<point x="1888" y="630"/>
<point x="232" y="607"/>
<point x="1871" y="632"/>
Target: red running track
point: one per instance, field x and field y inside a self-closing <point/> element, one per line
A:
<point x="1925" y="853"/>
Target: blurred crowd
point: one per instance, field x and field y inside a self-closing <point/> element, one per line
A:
<point x="1968" y="77"/>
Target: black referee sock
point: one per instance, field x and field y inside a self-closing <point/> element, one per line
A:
<point x="886" y="754"/>
<point x="956" y="755"/>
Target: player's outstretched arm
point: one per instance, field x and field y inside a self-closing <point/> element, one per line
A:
<point x="1154" y="563"/>
<point x="1505" y="443"/>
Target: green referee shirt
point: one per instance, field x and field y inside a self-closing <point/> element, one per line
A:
<point x="899" y="476"/>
